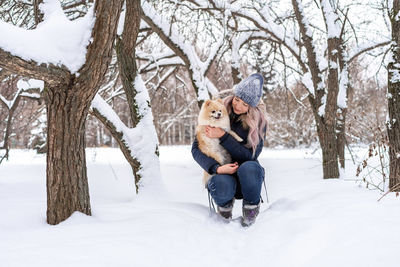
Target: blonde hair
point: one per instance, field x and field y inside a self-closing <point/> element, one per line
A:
<point x="255" y="119"/>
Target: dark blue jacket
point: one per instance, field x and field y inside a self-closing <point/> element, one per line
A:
<point x="238" y="151"/>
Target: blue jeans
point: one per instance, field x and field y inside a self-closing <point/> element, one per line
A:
<point x="246" y="183"/>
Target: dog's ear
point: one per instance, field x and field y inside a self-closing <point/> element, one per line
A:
<point x="207" y="103"/>
<point x="220" y="100"/>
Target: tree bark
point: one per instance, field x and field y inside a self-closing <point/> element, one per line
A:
<point x="394" y="101"/>
<point x="128" y="72"/>
<point x="341" y="128"/>
<point x="329" y="140"/>
<point x="67" y="183"/>
<point x="38" y="15"/>
<point x="67" y="108"/>
<point x="126" y="56"/>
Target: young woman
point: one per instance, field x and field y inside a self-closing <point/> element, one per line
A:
<point x="243" y="178"/>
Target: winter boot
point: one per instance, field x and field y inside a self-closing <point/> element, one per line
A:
<point x="226" y="211"/>
<point x="250" y="213"/>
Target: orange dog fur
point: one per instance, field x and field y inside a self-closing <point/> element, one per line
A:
<point x="213" y="113"/>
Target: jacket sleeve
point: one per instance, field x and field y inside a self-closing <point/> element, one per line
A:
<point x="240" y="151"/>
<point x="210" y="165"/>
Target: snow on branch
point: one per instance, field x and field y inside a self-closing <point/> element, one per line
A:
<point x="306" y="30"/>
<point x="308" y="83"/>
<point x="7" y="103"/>
<point x="363" y="48"/>
<point x="239" y="40"/>
<point x="343" y="85"/>
<point x="265" y="22"/>
<point x="331" y="19"/>
<point x="31" y="95"/>
<point x="142" y="140"/>
<point x="56" y="40"/>
<point x="170" y="35"/>
<point x="161" y="79"/>
<point x="23" y="86"/>
<point x="30" y="84"/>
<point x="157" y="63"/>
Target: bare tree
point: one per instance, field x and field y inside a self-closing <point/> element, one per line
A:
<point x="197" y="67"/>
<point x="393" y="124"/>
<point x="324" y="73"/>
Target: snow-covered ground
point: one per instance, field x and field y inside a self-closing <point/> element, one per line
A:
<point x="309" y="221"/>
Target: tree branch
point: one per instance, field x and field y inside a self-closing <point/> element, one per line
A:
<point x="51" y="74"/>
<point x="100" y="50"/>
<point x="362" y="51"/>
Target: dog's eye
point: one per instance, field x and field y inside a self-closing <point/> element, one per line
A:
<point x="213" y="111"/>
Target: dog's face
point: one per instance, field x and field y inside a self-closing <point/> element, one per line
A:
<point x="213" y="110"/>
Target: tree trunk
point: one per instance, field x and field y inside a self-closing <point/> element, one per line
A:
<point x="394" y="101"/>
<point x="327" y="139"/>
<point x="68" y="99"/>
<point x="67" y="180"/>
<point x="128" y="71"/>
<point x="326" y="123"/>
<point x="341" y="128"/>
<point x="235" y="75"/>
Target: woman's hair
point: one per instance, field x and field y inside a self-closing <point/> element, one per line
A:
<point x="255" y="119"/>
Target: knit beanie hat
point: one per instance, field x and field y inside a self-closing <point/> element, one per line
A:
<point x="250" y="89"/>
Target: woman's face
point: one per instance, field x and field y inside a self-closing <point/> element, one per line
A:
<point x="239" y="106"/>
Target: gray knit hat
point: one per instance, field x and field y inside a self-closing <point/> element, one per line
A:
<point x="250" y="89"/>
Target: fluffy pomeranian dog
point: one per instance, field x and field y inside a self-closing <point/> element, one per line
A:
<point x="213" y="113"/>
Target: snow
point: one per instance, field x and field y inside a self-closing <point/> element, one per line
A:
<point x="29" y="84"/>
<point x="309" y="221"/>
<point x="332" y="20"/>
<point x="158" y="63"/>
<point x="6" y="102"/>
<point x="142" y="140"/>
<point x="307" y="81"/>
<point x="56" y="40"/>
<point x="321" y="109"/>
<point x="333" y="65"/>
<point x="394" y="75"/>
<point x="343" y="84"/>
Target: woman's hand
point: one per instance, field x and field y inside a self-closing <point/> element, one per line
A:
<point x="229" y="168"/>
<point x="214" y="132"/>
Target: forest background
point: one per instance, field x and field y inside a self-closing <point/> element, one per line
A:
<point x="174" y="101"/>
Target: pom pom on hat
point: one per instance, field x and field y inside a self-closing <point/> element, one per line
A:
<point x="250" y="89"/>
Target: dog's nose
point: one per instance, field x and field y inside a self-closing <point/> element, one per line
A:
<point x="219" y="115"/>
